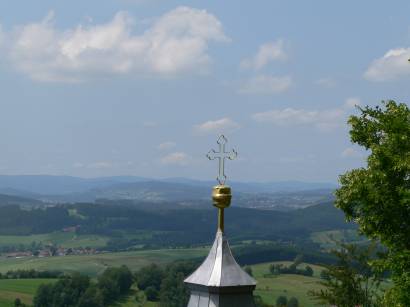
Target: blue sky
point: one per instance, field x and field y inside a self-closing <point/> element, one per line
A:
<point x="144" y="87"/>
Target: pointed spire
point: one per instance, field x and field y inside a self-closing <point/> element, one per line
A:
<point x="220" y="268"/>
<point x="220" y="281"/>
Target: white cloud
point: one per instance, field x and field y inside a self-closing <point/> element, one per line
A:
<point x="265" y="84"/>
<point x="352" y="102"/>
<point x="78" y="165"/>
<point x="351" y="153"/>
<point x="94" y="165"/>
<point x="100" y="165"/>
<point x="324" y="120"/>
<point x="2" y="35"/>
<point x="326" y="82"/>
<point x="139" y="2"/>
<point x="149" y="124"/>
<point x="223" y="125"/>
<point x="176" y="158"/>
<point x="392" y="65"/>
<point x="175" y="43"/>
<point x="166" y="145"/>
<point x="267" y="53"/>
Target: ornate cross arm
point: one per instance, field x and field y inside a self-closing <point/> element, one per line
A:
<point x="221" y="155"/>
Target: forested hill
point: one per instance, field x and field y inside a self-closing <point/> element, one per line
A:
<point x="6" y="200"/>
<point x="186" y="226"/>
<point x="286" y="195"/>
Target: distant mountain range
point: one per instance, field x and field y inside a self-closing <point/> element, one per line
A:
<point x="6" y="200"/>
<point x="56" y="185"/>
<point x="266" y="195"/>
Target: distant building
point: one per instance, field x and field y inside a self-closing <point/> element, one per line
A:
<point x="19" y="255"/>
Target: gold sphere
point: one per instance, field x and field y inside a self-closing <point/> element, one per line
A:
<point x="221" y="196"/>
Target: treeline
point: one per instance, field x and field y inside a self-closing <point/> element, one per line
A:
<point x="17" y="221"/>
<point x="168" y="225"/>
<point x="277" y="269"/>
<point x="268" y="252"/>
<point x="33" y="247"/>
<point x="165" y="285"/>
<point x="27" y="274"/>
<point x="78" y="290"/>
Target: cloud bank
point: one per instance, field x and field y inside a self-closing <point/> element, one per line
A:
<point x="324" y="120"/>
<point x="1" y="36"/>
<point x="175" y="43"/>
<point x="393" y="65"/>
<point x="267" y="53"/>
<point x="176" y="158"/>
<point x="223" y="125"/>
<point x="266" y="84"/>
<point x="166" y="145"/>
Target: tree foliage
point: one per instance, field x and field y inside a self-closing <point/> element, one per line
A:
<point x="78" y="290"/>
<point x="166" y="284"/>
<point x="377" y="196"/>
<point x="352" y="281"/>
<point x="281" y="301"/>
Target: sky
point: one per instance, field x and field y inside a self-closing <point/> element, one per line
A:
<point x="145" y="87"/>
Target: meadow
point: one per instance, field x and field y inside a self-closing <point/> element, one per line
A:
<point x="94" y="265"/>
<point x="269" y="287"/>
<point x="10" y="289"/>
<point x="330" y="239"/>
<point x="63" y="239"/>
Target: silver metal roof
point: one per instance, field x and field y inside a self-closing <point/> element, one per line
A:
<point x="220" y="268"/>
<point x="203" y="299"/>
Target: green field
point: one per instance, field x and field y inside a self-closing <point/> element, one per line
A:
<point x="63" y="239"/>
<point x="24" y="289"/>
<point x="10" y="289"/>
<point x="95" y="264"/>
<point x="271" y="287"/>
<point x="329" y="239"/>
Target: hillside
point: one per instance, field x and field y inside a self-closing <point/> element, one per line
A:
<point x="57" y="185"/>
<point x="64" y="189"/>
<point x="7" y="200"/>
<point x="170" y="227"/>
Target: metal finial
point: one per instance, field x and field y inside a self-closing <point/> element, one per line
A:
<point x="221" y="155"/>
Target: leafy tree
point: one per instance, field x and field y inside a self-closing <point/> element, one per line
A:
<point x="18" y="303"/>
<point x="259" y="302"/>
<point x="140" y="299"/>
<point x="298" y="259"/>
<point x="352" y="281"/>
<point x="248" y="269"/>
<point x="150" y="276"/>
<point x="77" y="290"/>
<point x="151" y="294"/>
<point x="308" y="271"/>
<point x="324" y="275"/>
<point x="43" y="297"/>
<point x="293" y="302"/>
<point x="92" y="297"/>
<point x="68" y="290"/>
<point x="121" y="276"/>
<point x="173" y="291"/>
<point x="109" y="288"/>
<point x="65" y="292"/>
<point x="377" y="196"/>
<point x="281" y="301"/>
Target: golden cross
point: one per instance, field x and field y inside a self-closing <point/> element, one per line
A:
<point x="221" y="155"/>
